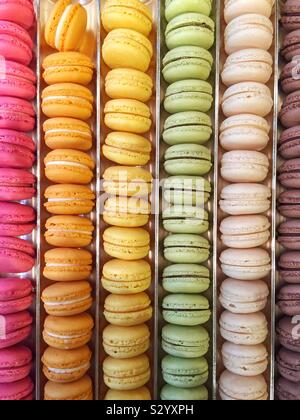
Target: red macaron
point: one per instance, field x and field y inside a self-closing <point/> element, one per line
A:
<point x="16" y="219"/>
<point x="15" y="364"/>
<point x="16" y="295"/>
<point x="16" y="184"/>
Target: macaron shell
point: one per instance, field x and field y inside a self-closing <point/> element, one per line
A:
<point x="16" y="391"/>
<point x="17" y="114"/>
<point x="15" y="364"/>
<point x="16" y="255"/>
<point x="15" y="43"/>
<point x="20" y="12"/>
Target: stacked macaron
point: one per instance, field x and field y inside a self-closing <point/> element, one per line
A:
<point x="17" y="221"/>
<point x="187" y="163"/>
<point x="67" y="101"/>
<point x="245" y="198"/>
<point x="127" y="53"/>
<point x="288" y="294"/>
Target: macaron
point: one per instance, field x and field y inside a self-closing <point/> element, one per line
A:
<point x="289" y="235"/>
<point x="190" y="29"/>
<point x="20" y="12"/>
<point x="289" y="110"/>
<point x="17" y="114"/>
<point x="186" y="190"/>
<point x="185" y="373"/>
<point x="127" y="115"/>
<point x="66" y="166"/>
<point x="289" y="267"/>
<point x="67" y="100"/>
<point x="235" y="8"/>
<point x="126" y="279"/>
<point x="186" y="128"/>
<point x="16" y="219"/>
<point x="186" y="278"/>
<point x="67" y="333"/>
<point x="187" y="159"/>
<point x="176" y="7"/>
<point x="16" y="295"/>
<point x="16" y="255"/>
<point x="171" y="393"/>
<point x="185" y="219"/>
<point x="187" y="62"/>
<point x="290" y="45"/>
<point x="16" y="43"/>
<point x="67" y="133"/>
<point x="186" y="249"/>
<point x="245" y="360"/>
<point x="247" y="98"/>
<point x="67" y="298"/>
<point x="288" y="333"/>
<point x="64" y="366"/>
<point x="15" y="364"/>
<point x="68" y="67"/>
<point x="127" y="310"/>
<point x="16" y="150"/>
<point x="236" y="387"/>
<point x="15" y="328"/>
<point x="126" y="342"/>
<point x="126" y="211"/>
<point x="139" y="394"/>
<point x="289" y="15"/>
<point x="244" y="297"/>
<point x="244" y="329"/>
<point x="17" y="391"/>
<point x="244" y="166"/>
<point x="288" y="364"/>
<point x="126" y="374"/>
<point x="81" y="390"/>
<point x="245" y="231"/>
<point x="289" y="77"/>
<point x="287" y="390"/>
<point x="129" y="14"/>
<point x="289" y="174"/>
<point x="246" y="264"/>
<point x="186" y="342"/>
<point x="289" y="299"/>
<point x="288" y="204"/>
<point x="16" y="184"/>
<point x="245" y="199"/>
<point x="126" y="48"/>
<point x="69" y="199"/>
<point x="248" y="31"/>
<point x="17" y="80"/>
<point x="69" y="231"/>
<point x="244" y="132"/>
<point x="188" y="95"/>
<point x="289" y="143"/>
<point x="128" y="84"/>
<point x="187" y="310"/>
<point x="251" y="65"/>
<point x="127" y="244"/>
<point x="127" y="181"/>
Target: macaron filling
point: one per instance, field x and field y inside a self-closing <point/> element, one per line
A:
<point x="57" y="371"/>
<point x="68" y="302"/>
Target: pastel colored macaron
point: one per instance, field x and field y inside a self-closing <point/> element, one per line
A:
<point x="67" y="133"/>
<point x="128" y="84"/>
<point x="244" y="297"/>
<point x="191" y="159"/>
<point x="187" y="310"/>
<point x="289" y="267"/>
<point x="288" y="334"/>
<point x="127" y="149"/>
<point x="126" y="211"/>
<point x="68" y="67"/>
<point x="64" y="366"/>
<point x="67" y="333"/>
<point x="187" y="190"/>
<point x="290" y="19"/>
<point x="289" y="299"/>
<point x="67" y="299"/>
<point x="16" y="255"/>
<point x="126" y="342"/>
<point x="17" y="80"/>
<point x="171" y="393"/>
<point x="288" y="363"/>
<point x="176" y="7"/>
<point x="20" y="12"/>
<point x="290" y="45"/>
<point x="289" y="173"/>
<point x="81" y="390"/>
<point x="16" y="114"/>
<point x="235" y="8"/>
<point x="67" y="100"/>
<point x="289" y="111"/>
<point x="289" y="77"/>
<point x="139" y="394"/>
<point x="289" y="143"/>
<point x="16" y="150"/>
<point x="245" y="360"/>
<point x="185" y="373"/>
<point x="15" y="295"/>
<point x="126" y="48"/>
<point x="67" y="264"/>
<point x="128" y="310"/>
<point x="127" y="181"/>
<point x="127" y="244"/>
<point x="244" y="166"/>
<point x="16" y="328"/>
<point x="246" y="329"/>
<point x="244" y="132"/>
<point x="15" y="364"/>
<point x="186" y="278"/>
<point x="17" y="391"/>
<point x="126" y="279"/>
<point x="69" y="199"/>
<point x="126" y="374"/>
<point x="185" y="219"/>
<point x="289" y="234"/>
<point x="16" y="219"/>
<point x="188" y="95"/>
<point x="66" y="166"/>
<point x="186" y="249"/>
<point x="186" y="342"/>
<point x="16" y="184"/>
<point x="236" y="387"/>
<point x="287" y="390"/>
<point x="69" y="231"/>
<point x="288" y="204"/>
<point x="16" y="43"/>
<point x="245" y="264"/>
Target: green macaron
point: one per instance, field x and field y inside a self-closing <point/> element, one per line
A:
<point x="185" y="342"/>
<point x="185" y="373"/>
<point x="187" y="127"/>
<point x="188" y="95"/>
<point x="183" y="309"/>
<point x="190" y="29"/>
<point x="186" y="278"/>
<point x="185" y="219"/>
<point x="187" y="62"/>
<point x="188" y="159"/>
<point x="186" y="249"/>
<point x="171" y="393"/>
<point x="174" y="8"/>
<point x="186" y="190"/>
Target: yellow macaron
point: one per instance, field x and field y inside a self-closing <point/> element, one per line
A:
<point x="126" y="212"/>
<point x="140" y="394"/>
<point x="127" y="181"/>
<point x="127" y="244"/>
<point x="126" y="342"/>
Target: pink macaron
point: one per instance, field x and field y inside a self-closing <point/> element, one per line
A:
<point x="16" y="391"/>
<point x="15" y="295"/>
<point x="16" y="114"/>
<point x="15" y="364"/>
<point x="16" y="184"/>
<point x="18" y="11"/>
<point x="14" y="328"/>
<point x="16" y="219"/>
<point x="16" y="255"/>
<point x="16" y="150"/>
<point x="17" y="80"/>
<point x="15" y="43"/>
